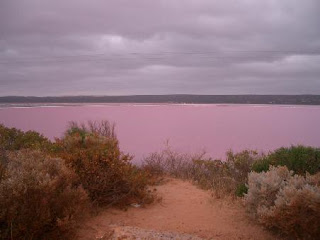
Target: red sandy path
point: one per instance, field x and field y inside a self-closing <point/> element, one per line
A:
<point x="184" y="209"/>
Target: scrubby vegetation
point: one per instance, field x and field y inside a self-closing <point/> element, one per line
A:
<point x="93" y="153"/>
<point x="299" y="159"/>
<point x="45" y="184"/>
<point x="14" y="139"/>
<point x="285" y="198"/>
<point x="282" y="193"/>
<point x="36" y="192"/>
<point x="222" y="177"/>
<point x="285" y="201"/>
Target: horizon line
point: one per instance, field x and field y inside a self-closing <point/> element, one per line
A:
<point x="175" y="94"/>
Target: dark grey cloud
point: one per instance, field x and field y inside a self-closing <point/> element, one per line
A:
<point x="117" y="47"/>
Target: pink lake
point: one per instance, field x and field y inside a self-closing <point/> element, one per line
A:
<point x="142" y="129"/>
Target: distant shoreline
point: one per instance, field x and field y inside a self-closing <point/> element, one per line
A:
<point x="164" y="99"/>
<point x="54" y="105"/>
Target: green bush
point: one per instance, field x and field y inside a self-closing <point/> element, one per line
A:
<point x="241" y="190"/>
<point x="299" y="159"/>
<point x="92" y="152"/>
<point x="36" y="194"/>
<point x="14" y="139"/>
<point x="262" y="165"/>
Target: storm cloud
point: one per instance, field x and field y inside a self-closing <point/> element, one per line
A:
<point x="125" y="47"/>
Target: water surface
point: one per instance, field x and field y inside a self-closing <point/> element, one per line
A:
<point x="142" y="129"/>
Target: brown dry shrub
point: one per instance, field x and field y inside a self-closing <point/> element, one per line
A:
<point x="286" y="202"/>
<point x="92" y="152"/>
<point x="214" y="175"/>
<point x="170" y="162"/>
<point x="36" y="194"/>
<point x="3" y="162"/>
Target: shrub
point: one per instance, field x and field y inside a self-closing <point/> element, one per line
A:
<point x="214" y="175"/>
<point x="36" y="194"/>
<point x="93" y="153"/>
<point x="263" y="188"/>
<point x="297" y="209"/>
<point x="262" y="165"/>
<point x="228" y="178"/>
<point x="241" y="190"/>
<point x="240" y="164"/>
<point x="299" y="159"/>
<point x="15" y="139"/>
<point x="3" y="162"/>
<point x="286" y="202"/>
<point x="103" y="128"/>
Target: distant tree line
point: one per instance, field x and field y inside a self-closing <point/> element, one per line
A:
<point x="179" y="98"/>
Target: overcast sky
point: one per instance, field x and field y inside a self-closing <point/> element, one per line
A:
<point x="125" y="47"/>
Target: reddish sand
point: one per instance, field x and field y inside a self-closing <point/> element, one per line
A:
<point x="184" y="209"/>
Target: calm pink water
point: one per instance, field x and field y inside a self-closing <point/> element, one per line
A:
<point x="142" y="129"/>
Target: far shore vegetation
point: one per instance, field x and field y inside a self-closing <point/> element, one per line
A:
<point x="46" y="185"/>
<point x="173" y="98"/>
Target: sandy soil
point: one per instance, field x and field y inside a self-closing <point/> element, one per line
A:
<point x="184" y="209"/>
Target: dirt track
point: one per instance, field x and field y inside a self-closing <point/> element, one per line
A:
<point x="184" y="209"/>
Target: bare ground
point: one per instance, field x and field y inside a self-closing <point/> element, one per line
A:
<point x="185" y="212"/>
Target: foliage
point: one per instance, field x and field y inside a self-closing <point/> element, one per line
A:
<point x="240" y="164"/>
<point x="214" y="175"/>
<point x="299" y="159"/>
<point x="262" y="165"/>
<point x="93" y="153"/>
<point x="103" y="128"/>
<point x="286" y="202"/>
<point x="263" y="188"/>
<point x="241" y="190"/>
<point x="37" y="191"/>
<point x="3" y="163"/>
<point x="15" y="139"/>
<point x="36" y="194"/>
